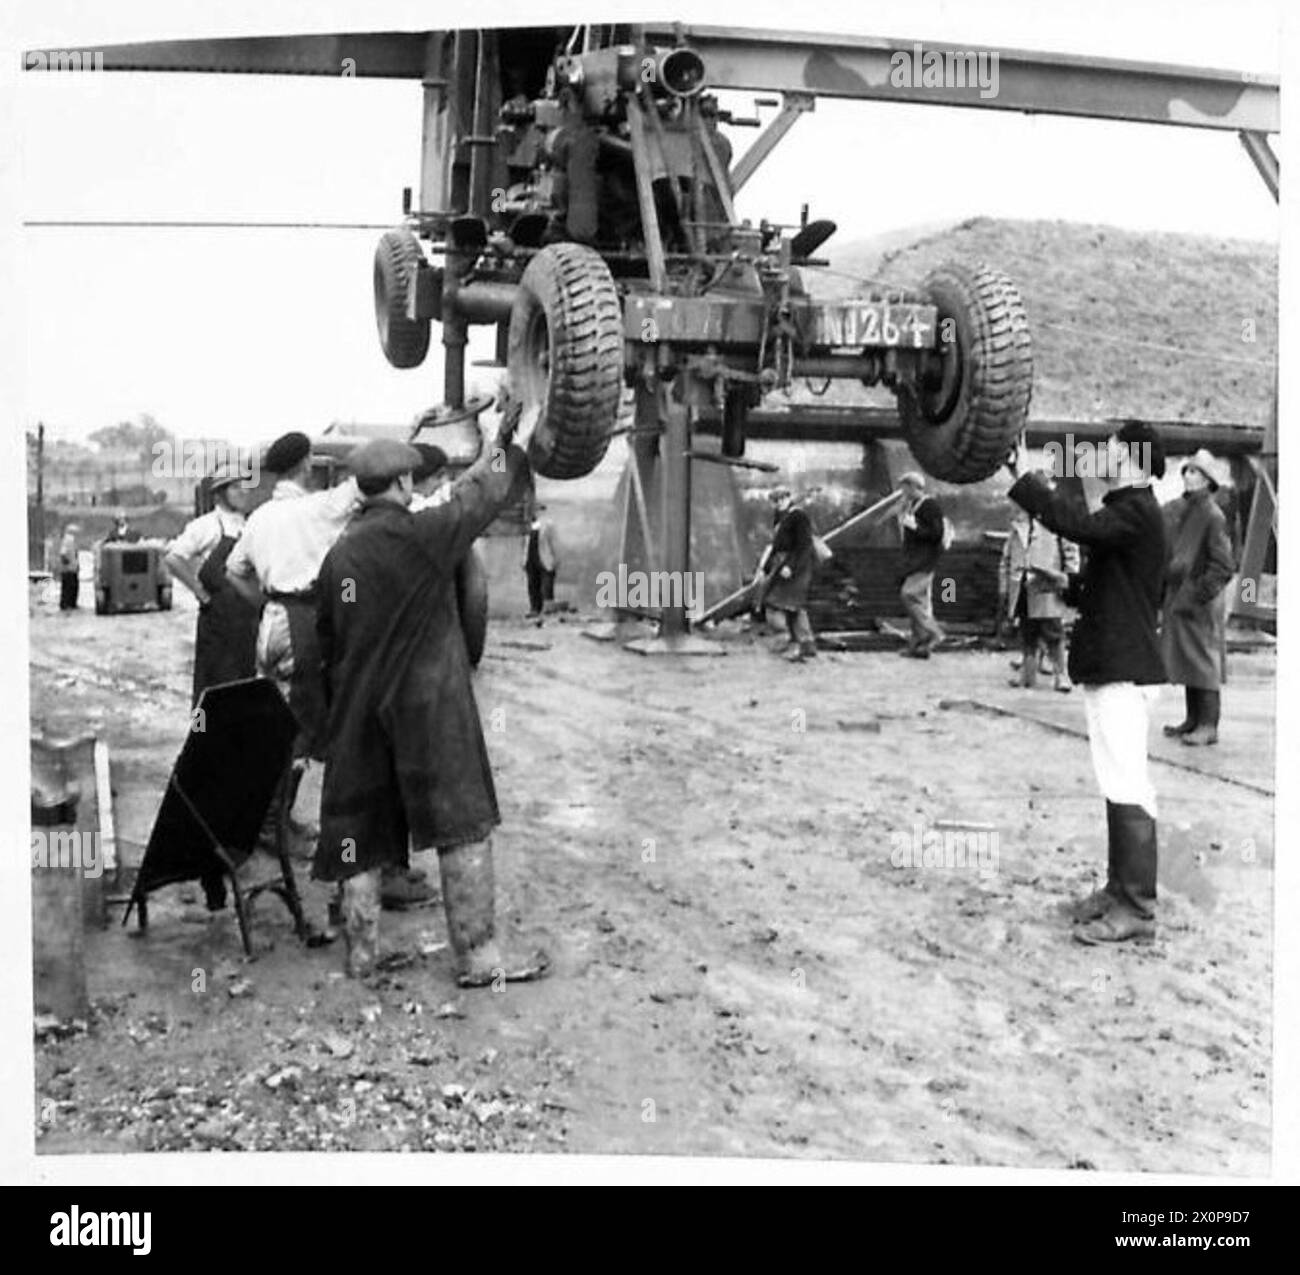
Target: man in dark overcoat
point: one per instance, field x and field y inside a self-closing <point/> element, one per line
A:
<point x="1200" y="566"/>
<point x="1115" y="656"/>
<point x="786" y="574"/>
<point x="406" y="760"/>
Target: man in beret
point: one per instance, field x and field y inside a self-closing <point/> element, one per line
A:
<point x="406" y="761"/>
<point x="1115" y="656"/>
<point x="274" y="566"/>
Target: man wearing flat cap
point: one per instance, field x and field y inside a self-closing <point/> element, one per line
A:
<point x="225" y="640"/>
<point x="1200" y="565"/>
<point x="429" y="478"/>
<point x="406" y="763"/>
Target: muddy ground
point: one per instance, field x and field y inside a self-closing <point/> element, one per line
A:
<point x="710" y="849"/>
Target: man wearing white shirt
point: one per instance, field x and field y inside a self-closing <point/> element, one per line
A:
<point x="276" y="562"/>
<point x="278" y="559"/>
<point x="225" y="640"/>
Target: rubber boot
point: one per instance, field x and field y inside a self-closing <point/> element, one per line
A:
<point x="469" y="900"/>
<point x="1207" y="721"/>
<point x="1132" y="879"/>
<point x="1028" y="677"/>
<point x="1060" y="676"/>
<point x="1189" y="722"/>
<point x="405" y="887"/>
<point x="361" y="922"/>
<point x="1100" y="901"/>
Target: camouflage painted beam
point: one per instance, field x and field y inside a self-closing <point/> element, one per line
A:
<point x="889" y="70"/>
<point x="389" y="55"/>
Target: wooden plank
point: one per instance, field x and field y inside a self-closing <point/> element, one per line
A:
<point x="737" y="600"/>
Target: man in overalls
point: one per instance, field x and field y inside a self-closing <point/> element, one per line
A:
<point x="225" y="639"/>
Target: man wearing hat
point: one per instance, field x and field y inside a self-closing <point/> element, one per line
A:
<point x="786" y="573"/>
<point x="1115" y="656"/>
<point x="1200" y="566"/>
<point x="274" y="566"/>
<point x="406" y="761"/>
<point x="429" y="478"/>
<point x="920" y="518"/>
<point x="225" y="639"/>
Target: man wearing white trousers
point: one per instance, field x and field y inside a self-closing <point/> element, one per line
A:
<point x="1115" y="655"/>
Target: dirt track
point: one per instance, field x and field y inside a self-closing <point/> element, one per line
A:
<point x="705" y="847"/>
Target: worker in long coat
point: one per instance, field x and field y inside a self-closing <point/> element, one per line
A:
<point x="405" y="758"/>
<point x="786" y="574"/>
<point x="1200" y="566"/>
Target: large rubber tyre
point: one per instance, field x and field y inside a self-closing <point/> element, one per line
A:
<point x="472" y="601"/>
<point x="404" y="343"/>
<point x="963" y="421"/>
<point x="565" y="358"/>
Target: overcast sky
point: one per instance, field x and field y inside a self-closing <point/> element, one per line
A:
<point x="242" y="334"/>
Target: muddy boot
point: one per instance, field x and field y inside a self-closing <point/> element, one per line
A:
<point x="1060" y="677"/>
<point x="1134" y="858"/>
<point x="1207" y="721"/>
<point x="405" y="888"/>
<point x="1189" y="722"/>
<point x="1120" y="925"/>
<point x="1131" y="873"/>
<point x="1099" y="902"/>
<point x="361" y="922"/>
<point x="1028" y="675"/>
<point x="469" y="900"/>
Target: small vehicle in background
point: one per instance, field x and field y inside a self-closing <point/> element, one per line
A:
<point x="130" y="575"/>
